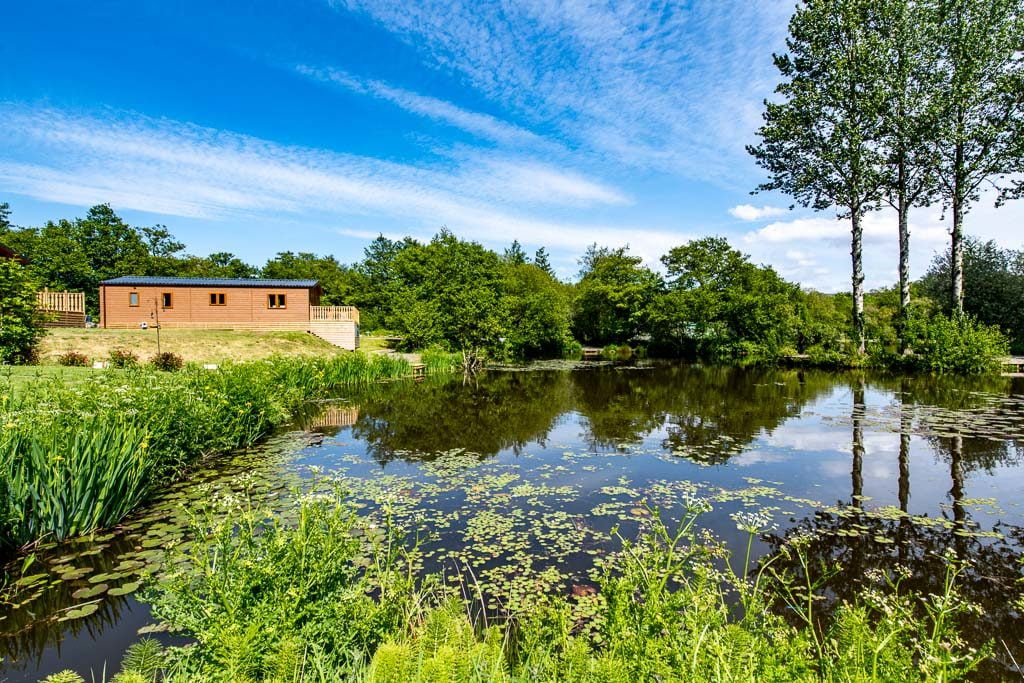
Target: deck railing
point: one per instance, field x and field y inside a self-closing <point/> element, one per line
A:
<point x="333" y="313"/>
<point x="64" y="302"/>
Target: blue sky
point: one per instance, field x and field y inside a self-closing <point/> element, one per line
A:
<point x="264" y="126"/>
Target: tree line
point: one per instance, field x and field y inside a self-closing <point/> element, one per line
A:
<point x="898" y="103"/>
<point x="709" y="300"/>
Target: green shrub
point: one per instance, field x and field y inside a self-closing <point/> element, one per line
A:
<point x="122" y="358"/>
<point x="167" y="361"/>
<point x="572" y="350"/>
<point x="954" y="344"/>
<point x="73" y="359"/>
<point x="20" y="328"/>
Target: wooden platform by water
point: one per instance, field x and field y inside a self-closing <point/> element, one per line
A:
<point x="1013" y="366"/>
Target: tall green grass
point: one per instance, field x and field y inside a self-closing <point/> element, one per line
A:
<point x="76" y="457"/>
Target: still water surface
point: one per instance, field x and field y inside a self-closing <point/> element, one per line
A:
<point x="521" y="476"/>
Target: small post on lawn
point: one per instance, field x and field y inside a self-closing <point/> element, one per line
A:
<point x="156" y="314"/>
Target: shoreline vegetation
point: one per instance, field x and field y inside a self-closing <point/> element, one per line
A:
<point x="335" y="597"/>
<point x="707" y="301"/>
<point x="79" y="456"/>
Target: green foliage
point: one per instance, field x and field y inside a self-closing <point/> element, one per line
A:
<point x="122" y="358"/>
<point x="993" y="286"/>
<point x="538" y="309"/>
<point x="254" y="588"/>
<point x="145" y="658"/>
<point x="720" y="305"/>
<point x="613" y="297"/>
<point x="514" y="255"/>
<point x="541" y="260"/>
<point x="339" y="282"/>
<point x="19" y="324"/>
<point x="330" y="594"/>
<point x="819" y="142"/>
<point x="956" y="343"/>
<point x="68" y="477"/>
<point x="73" y="359"/>
<point x="167" y="361"/>
<point x="450" y="292"/>
<point x="78" y="457"/>
<point x="66" y="676"/>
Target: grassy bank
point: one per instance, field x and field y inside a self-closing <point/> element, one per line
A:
<point x="199" y="346"/>
<point x="78" y="455"/>
<point x="333" y="598"/>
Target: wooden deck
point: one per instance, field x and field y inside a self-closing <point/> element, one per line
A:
<point x="62" y="309"/>
<point x="334" y="314"/>
<point x="1013" y="366"/>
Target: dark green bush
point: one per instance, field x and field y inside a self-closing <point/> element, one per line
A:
<point x="73" y="359"/>
<point x="170" y="362"/>
<point x="122" y="358"/>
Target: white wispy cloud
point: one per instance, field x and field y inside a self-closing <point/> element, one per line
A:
<point x="483" y="125"/>
<point x="749" y="212"/>
<point x="672" y="85"/>
<point x="178" y="169"/>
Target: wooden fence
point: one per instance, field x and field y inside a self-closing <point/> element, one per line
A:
<point x="333" y="314"/>
<point x="64" y="302"/>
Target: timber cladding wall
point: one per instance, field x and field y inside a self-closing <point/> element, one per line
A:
<point x="212" y="305"/>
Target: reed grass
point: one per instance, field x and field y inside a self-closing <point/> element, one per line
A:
<point x="76" y="457"/>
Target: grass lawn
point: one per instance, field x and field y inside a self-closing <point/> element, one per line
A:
<point x="23" y="376"/>
<point x="200" y="346"/>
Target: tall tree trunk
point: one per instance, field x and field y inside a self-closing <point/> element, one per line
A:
<point x="857" y="235"/>
<point x="956" y="261"/>
<point x="903" y="209"/>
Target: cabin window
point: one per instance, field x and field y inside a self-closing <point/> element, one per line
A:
<point x="217" y="298"/>
<point x="167" y="300"/>
<point x="133" y="299"/>
<point x="275" y="301"/>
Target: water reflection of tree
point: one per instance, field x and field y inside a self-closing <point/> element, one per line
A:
<point x="504" y="410"/>
<point x="25" y="636"/>
<point x="707" y="413"/>
<point x="990" y="582"/>
<point x="850" y="540"/>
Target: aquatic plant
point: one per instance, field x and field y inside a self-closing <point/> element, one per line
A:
<point x="68" y="477"/>
<point x="79" y="457"/>
<point x="331" y="598"/>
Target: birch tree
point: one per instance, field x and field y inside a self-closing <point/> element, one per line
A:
<point x="819" y="143"/>
<point x="981" y="110"/>
<point x="908" y="118"/>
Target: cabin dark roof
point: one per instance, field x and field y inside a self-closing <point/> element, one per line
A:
<point x="144" y="281"/>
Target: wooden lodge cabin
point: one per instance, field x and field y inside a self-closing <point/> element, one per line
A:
<point x="226" y="304"/>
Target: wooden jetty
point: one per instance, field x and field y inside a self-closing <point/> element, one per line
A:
<point x="1013" y="366"/>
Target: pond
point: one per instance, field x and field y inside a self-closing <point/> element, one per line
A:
<point x="518" y="478"/>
